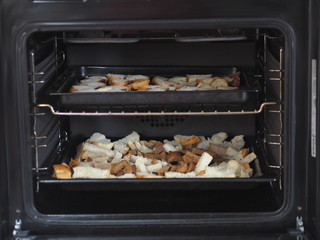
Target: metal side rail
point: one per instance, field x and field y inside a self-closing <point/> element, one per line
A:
<point x="150" y="113"/>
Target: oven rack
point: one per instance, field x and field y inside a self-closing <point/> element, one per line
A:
<point x="154" y="113"/>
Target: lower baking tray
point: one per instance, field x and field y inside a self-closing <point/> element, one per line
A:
<point x="261" y="175"/>
<point x="61" y="94"/>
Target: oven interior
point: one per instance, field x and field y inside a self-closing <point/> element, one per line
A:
<point x="256" y="110"/>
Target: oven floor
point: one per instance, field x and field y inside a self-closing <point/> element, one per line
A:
<point x="53" y="200"/>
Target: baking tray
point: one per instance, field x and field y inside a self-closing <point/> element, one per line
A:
<point x="244" y="95"/>
<point x="266" y="175"/>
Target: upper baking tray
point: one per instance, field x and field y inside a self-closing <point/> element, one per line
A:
<point x="60" y="91"/>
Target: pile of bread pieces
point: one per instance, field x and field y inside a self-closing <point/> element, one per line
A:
<point x="120" y="82"/>
<point x="183" y="157"/>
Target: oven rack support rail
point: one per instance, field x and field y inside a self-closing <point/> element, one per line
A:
<point x="39" y="76"/>
<point x="150" y="113"/>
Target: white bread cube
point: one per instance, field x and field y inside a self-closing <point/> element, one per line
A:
<point x="219" y="138"/>
<point x="180" y="175"/>
<point x="249" y="158"/>
<point x="154" y="167"/>
<point x="90" y="172"/>
<point x="168" y="147"/>
<point x="203" y="162"/>
<point x="97" y="151"/>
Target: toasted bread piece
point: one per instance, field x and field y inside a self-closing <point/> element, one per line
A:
<point x="80" y="88"/>
<point x="62" y="171"/>
<point x="219" y="82"/>
<point x="182" y="167"/>
<point x="137" y="84"/>
<point x="191" y="167"/>
<point x="112" y="76"/>
<point x="163" y="170"/>
<point x="118" y="166"/>
<point x="158" y="78"/>
<point x="199" y="151"/>
<point x="154" y="88"/>
<point x="221" y="151"/>
<point x="235" y="79"/>
<point x="119" y="82"/>
<point x="187" y="140"/>
<point x="174" y="157"/>
<point x="205" y="81"/>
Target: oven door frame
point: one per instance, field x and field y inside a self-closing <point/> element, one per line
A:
<point x="14" y="34"/>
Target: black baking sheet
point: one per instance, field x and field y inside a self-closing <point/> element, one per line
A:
<point x="265" y="175"/>
<point x="243" y="95"/>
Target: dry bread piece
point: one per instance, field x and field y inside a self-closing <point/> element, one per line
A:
<point x="62" y="171"/>
<point x="249" y="158"/>
<point x="93" y="84"/>
<point x="203" y="162"/>
<point x="91" y="80"/>
<point x="194" y="77"/>
<point x="154" y="88"/>
<point x="229" y="169"/>
<point x="187" y="88"/>
<point x="178" y="80"/>
<point x="93" y="151"/>
<point x="205" y="81"/>
<point x="90" y="172"/>
<point x="204" y="86"/>
<point x="147" y="175"/>
<point x="100" y="140"/>
<point x="135" y="78"/>
<point x="154" y="167"/>
<point x="80" y="88"/>
<point x="168" y="147"/>
<point x="119" y="82"/>
<point x="95" y="77"/>
<point x="219" y="82"/>
<point x="187" y="140"/>
<point x="112" y="76"/>
<point x="219" y="138"/>
<point x="180" y="175"/>
<point x="158" y="78"/>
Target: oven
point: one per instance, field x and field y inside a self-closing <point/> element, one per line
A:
<point x="266" y="55"/>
